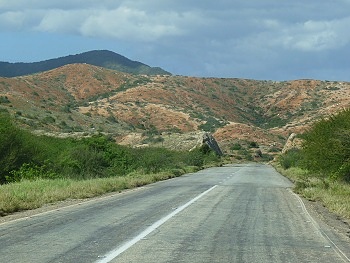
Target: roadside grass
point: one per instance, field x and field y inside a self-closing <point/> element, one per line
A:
<point x="27" y="195"/>
<point x="38" y="170"/>
<point x="333" y="194"/>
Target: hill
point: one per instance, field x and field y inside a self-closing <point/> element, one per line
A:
<point x="101" y="58"/>
<point x="169" y="111"/>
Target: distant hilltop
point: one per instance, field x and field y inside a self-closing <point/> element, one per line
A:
<point x="100" y="58"/>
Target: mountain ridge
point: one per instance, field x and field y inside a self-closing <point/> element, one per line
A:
<point x="101" y="58"/>
<point x="166" y="110"/>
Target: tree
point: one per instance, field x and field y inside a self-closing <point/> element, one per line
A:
<point x="327" y="146"/>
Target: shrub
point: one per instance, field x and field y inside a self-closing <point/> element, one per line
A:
<point x="49" y="120"/>
<point x="236" y="146"/>
<point x="154" y="160"/>
<point x="31" y="172"/>
<point x="291" y="158"/>
<point x="26" y="156"/>
<point x="195" y="158"/>
<point x="343" y="172"/>
<point x="327" y="146"/>
<point x="16" y="147"/>
<point x="253" y="145"/>
<point x="245" y="154"/>
<point x="4" y="99"/>
<point x="211" y="125"/>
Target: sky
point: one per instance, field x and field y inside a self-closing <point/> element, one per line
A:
<point x="254" y="39"/>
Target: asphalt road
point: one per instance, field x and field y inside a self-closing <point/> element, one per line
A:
<point x="238" y="213"/>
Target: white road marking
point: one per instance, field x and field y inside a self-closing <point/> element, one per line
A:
<point x="339" y="252"/>
<point x="116" y="252"/>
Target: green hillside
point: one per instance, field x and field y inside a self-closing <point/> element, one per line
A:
<point x="101" y="58"/>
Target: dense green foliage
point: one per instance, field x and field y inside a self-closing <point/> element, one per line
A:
<point x="15" y="147"/>
<point x="292" y="158"/>
<point x="211" y="125"/>
<point x="326" y="148"/>
<point x="26" y="156"/>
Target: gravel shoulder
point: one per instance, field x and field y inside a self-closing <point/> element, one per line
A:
<point x="337" y="223"/>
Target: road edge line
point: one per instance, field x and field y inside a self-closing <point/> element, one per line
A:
<point x="340" y="253"/>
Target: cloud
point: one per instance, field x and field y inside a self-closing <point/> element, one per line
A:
<point x="11" y="20"/>
<point x="61" y="21"/>
<point x="122" y="22"/>
<point x="317" y="35"/>
<point x="204" y="38"/>
<point x="25" y="5"/>
<point x="132" y="24"/>
<point x="153" y="20"/>
<point x="309" y="36"/>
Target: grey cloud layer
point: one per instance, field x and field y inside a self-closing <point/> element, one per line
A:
<point x="222" y="20"/>
<point x="220" y="34"/>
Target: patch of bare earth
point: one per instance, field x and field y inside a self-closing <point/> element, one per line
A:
<point x="93" y="98"/>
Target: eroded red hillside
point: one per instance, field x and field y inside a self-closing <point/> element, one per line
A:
<point x="85" y="98"/>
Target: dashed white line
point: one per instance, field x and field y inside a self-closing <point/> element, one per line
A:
<point x="116" y="252"/>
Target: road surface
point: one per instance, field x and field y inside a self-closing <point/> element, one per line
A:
<point x="237" y="213"/>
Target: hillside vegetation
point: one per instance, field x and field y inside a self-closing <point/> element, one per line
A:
<point x="80" y="122"/>
<point x="321" y="168"/>
<point x="170" y="111"/>
<point x="27" y="159"/>
<point x="27" y="156"/>
<point x="101" y="58"/>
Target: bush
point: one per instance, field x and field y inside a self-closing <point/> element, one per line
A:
<point x="211" y="125"/>
<point x="4" y="99"/>
<point x="195" y="158"/>
<point x="245" y="154"/>
<point x="16" y="147"/>
<point x="253" y="145"/>
<point x="152" y="160"/>
<point x="236" y="146"/>
<point x="29" y="157"/>
<point x="291" y="158"/>
<point x="343" y="172"/>
<point x="82" y="162"/>
<point x="31" y="172"/>
<point x="327" y="146"/>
